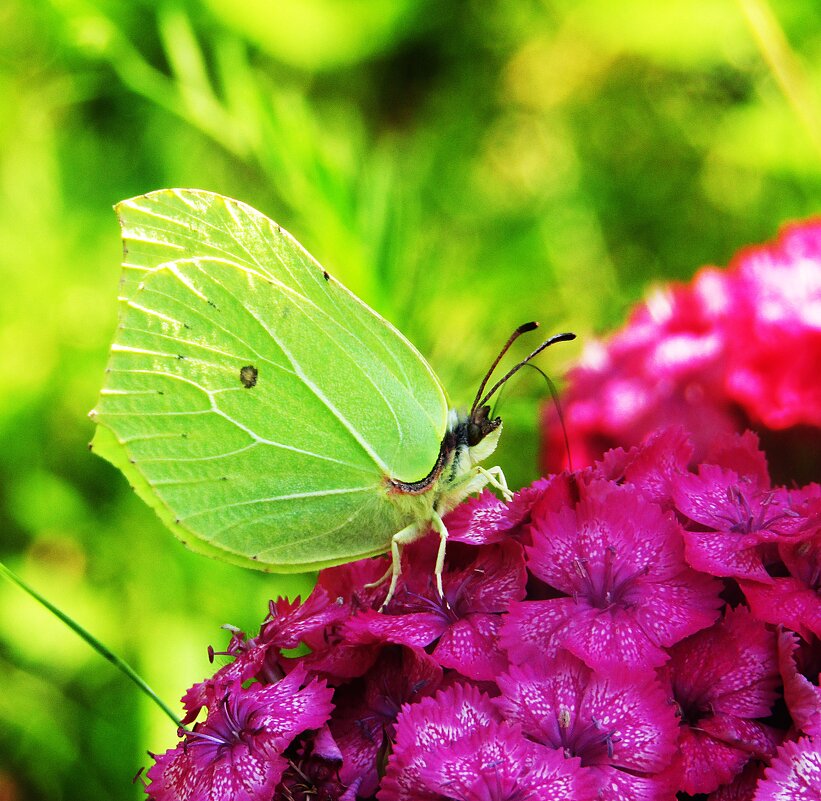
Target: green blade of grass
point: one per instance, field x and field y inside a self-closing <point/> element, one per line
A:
<point x="101" y="649"/>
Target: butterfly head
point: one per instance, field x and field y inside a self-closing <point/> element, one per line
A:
<point x="482" y="433"/>
<point x="470" y="439"/>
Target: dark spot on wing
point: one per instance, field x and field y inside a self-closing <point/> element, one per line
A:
<point x="248" y="376"/>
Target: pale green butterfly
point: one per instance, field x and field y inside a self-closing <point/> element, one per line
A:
<point x="267" y="415"/>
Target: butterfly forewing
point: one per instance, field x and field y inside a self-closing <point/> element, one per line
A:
<point x="286" y="469"/>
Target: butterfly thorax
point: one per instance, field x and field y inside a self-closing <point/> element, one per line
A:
<point x="468" y="441"/>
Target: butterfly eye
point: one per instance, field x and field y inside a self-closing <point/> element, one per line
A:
<point x="479" y="425"/>
<point x="474" y="434"/>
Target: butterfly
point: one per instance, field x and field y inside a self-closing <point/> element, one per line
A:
<point x="268" y="416"/>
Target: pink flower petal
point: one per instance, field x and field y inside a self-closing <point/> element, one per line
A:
<point x="801" y="692"/>
<point x="794" y="774"/>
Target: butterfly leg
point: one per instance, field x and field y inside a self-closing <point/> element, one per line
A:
<point x="496" y="478"/>
<point x="408" y="534"/>
<point x="381" y="580"/>
<point x="440" y="527"/>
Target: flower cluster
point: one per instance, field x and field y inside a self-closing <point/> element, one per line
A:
<point x="633" y="630"/>
<point x="645" y="628"/>
<point x="734" y="349"/>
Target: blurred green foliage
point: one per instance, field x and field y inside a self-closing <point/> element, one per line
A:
<point x="463" y="166"/>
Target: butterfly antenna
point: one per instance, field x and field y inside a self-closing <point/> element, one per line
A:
<point x="524" y="328"/>
<point x="554" y="394"/>
<point x="566" y="337"/>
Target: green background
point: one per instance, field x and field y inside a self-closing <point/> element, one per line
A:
<point x="462" y="166"/>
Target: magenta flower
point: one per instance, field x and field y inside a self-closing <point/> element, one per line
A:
<point x="787" y="601"/>
<point x="618" y="723"/>
<point x="456" y="746"/>
<point x="653" y="467"/>
<point x="365" y="715"/>
<point x="464" y="624"/>
<point x="237" y="752"/>
<point x="665" y="367"/>
<point x="731" y="516"/>
<point x="778" y="312"/>
<point x="626" y="592"/>
<point x="733" y="349"/>
<point x="794" y="774"/>
<point x="290" y="623"/>
<point x="432" y="725"/>
<point x="721" y="680"/>
<point x="287" y="624"/>
<point x="498" y="764"/>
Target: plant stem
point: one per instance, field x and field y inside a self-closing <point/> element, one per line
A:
<point x="115" y="660"/>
